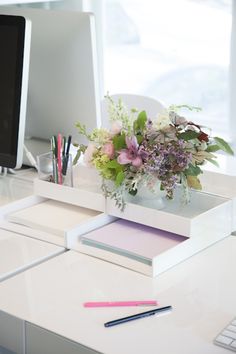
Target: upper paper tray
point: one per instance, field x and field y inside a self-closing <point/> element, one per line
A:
<point x="206" y="213"/>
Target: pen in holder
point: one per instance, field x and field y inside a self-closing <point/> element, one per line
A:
<point x="56" y="169"/>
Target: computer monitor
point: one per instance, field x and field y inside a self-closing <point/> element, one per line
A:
<point x="63" y="77"/>
<point x="14" y="65"/>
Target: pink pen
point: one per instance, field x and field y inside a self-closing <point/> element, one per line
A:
<point x="59" y="162"/>
<point x="120" y="303"/>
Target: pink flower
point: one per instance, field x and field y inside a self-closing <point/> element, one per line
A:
<point x="88" y="154"/>
<point x="116" y="127"/>
<point x="109" y="150"/>
<point x="132" y="154"/>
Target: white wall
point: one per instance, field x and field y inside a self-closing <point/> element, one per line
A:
<point x="233" y="78"/>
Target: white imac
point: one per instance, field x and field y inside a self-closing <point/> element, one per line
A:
<point x="63" y="77"/>
<point x="14" y="65"/>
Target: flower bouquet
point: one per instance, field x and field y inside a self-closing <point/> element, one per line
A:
<point x="139" y="152"/>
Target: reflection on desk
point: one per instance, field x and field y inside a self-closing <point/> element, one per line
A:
<point x="201" y="291"/>
<point x="13" y="187"/>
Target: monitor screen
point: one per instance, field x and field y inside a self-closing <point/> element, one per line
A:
<point x="63" y="77"/>
<point x="12" y="75"/>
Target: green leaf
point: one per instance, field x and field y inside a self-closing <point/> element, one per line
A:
<point x="81" y="149"/>
<point x="119" y="142"/>
<point x="212" y="148"/>
<point x="193" y="182"/>
<point x="192" y="170"/>
<point x="113" y="164"/>
<point x="139" y="139"/>
<point x="140" y="122"/>
<point x="223" y="145"/>
<point x="82" y="130"/>
<point x="214" y="162"/>
<point x="176" y="108"/>
<point x="76" y="158"/>
<point x="119" y="178"/>
<point x="188" y="135"/>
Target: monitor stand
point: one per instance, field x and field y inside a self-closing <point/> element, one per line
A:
<point x="35" y="147"/>
<point x="5" y="170"/>
<point x="32" y="148"/>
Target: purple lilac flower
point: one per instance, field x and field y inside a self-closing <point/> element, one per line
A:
<point x="166" y="161"/>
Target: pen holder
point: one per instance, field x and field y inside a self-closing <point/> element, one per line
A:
<point x="56" y="170"/>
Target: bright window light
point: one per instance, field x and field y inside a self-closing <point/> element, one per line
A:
<point x="175" y="51"/>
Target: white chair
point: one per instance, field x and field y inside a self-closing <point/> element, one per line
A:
<point x="141" y="103"/>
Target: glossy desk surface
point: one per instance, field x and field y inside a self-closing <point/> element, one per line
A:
<point x="18" y="252"/>
<point x="13" y="187"/>
<point x="202" y="291"/>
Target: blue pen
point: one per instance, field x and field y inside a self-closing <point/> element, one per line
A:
<point x="63" y="146"/>
<point x="68" y="145"/>
<point x="66" y="157"/>
<point x="137" y="316"/>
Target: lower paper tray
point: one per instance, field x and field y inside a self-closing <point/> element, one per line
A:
<point x="143" y="249"/>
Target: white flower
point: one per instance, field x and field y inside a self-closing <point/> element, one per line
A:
<point x="88" y="154"/>
<point x="163" y="120"/>
<point x="177" y="120"/>
<point x="202" y="146"/>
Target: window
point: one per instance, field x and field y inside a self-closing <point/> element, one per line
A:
<point x="175" y="51"/>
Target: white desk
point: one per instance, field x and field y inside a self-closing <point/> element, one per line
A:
<point x="18" y="253"/>
<point x="49" y="297"/>
<point x="201" y="290"/>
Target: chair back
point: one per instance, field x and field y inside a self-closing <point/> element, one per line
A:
<point x="141" y="103"/>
